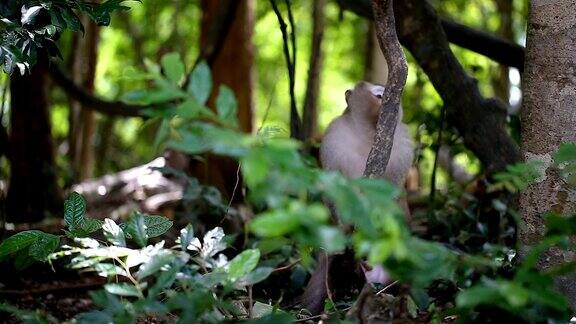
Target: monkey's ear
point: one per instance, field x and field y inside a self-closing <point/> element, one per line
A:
<point x="347" y="94"/>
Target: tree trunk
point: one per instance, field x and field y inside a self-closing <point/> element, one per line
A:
<point x="33" y="192"/>
<point x="231" y="60"/>
<point x="84" y="119"/>
<point x="548" y="119"/>
<point x="234" y="62"/>
<point x="310" y="112"/>
<point x="376" y="67"/>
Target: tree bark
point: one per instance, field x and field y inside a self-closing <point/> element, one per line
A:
<point x="83" y="119"/>
<point x="233" y="64"/>
<point x="33" y="192"/>
<point x="310" y="109"/>
<point x="548" y="119"/>
<point x="398" y="71"/>
<point x="233" y="61"/>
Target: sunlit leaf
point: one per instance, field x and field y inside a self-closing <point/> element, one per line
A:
<point x="243" y="264"/>
<point x="186" y="236"/>
<point x="113" y="233"/>
<point x="122" y="289"/>
<point x="136" y="227"/>
<point x="173" y="67"/>
<point x="155" y="263"/>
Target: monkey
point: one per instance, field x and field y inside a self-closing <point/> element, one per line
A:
<point x="345" y="148"/>
<point x="348" y="139"/>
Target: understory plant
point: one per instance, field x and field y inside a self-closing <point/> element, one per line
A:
<point x="194" y="280"/>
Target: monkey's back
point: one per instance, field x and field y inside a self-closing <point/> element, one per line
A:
<point x="345" y="148"/>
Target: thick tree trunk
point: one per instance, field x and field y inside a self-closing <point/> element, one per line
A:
<point x="310" y="112"/>
<point x="84" y="119"/>
<point x="33" y="192"/>
<point x="549" y="119"/>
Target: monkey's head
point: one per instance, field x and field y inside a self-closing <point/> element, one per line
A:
<point x="365" y="100"/>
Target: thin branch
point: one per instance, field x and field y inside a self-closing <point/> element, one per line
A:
<point x="295" y="121"/>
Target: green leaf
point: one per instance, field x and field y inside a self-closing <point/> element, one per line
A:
<point x="18" y="242"/>
<point x="254" y="277"/>
<point x="189" y="109"/>
<point x="122" y="289"/>
<point x="113" y="233"/>
<point x="243" y="263"/>
<point x="90" y="225"/>
<point x="200" y="85"/>
<point x="226" y="105"/>
<point x="274" y="223"/>
<point x="43" y="246"/>
<point x="156" y="225"/>
<point x="23" y="259"/>
<point x="173" y="67"/>
<point x="477" y="295"/>
<point x="136" y="227"/>
<point x="166" y="279"/>
<point x="74" y="211"/>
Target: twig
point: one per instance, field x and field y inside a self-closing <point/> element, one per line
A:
<point x="387" y="287"/>
<point x="286" y="267"/>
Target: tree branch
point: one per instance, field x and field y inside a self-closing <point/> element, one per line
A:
<point x="495" y="48"/>
<point x="295" y="121"/>
<point x="398" y="71"/>
<point x="114" y="108"/>
<point x="480" y="121"/>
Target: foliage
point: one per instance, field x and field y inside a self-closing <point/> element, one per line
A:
<point x="193" y="278"/>
<point x="288" y="192"/>
<point x="289" y="195"/>
<point x="29" y="28"/>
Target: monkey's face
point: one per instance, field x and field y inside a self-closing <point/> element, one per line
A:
<point x="365" y="99"/>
